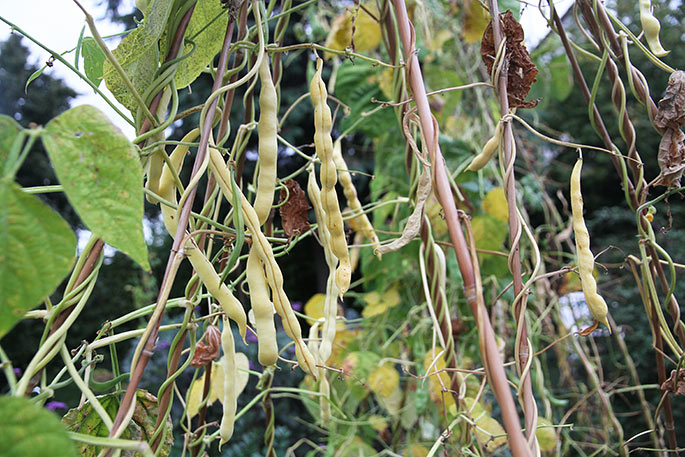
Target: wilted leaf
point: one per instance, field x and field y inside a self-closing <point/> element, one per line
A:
<point x="294" y="211"/>
<point x="37" y="248"/>
<point x="379" y="423"/>
<point x="209" y="351"/>
<point x="101" y="175"/>
<point x="671" y="113"/>
<point x="669" y="384"/>
<point x="495" y="204"/>
<point x="384" y="380"/>
<point x="31" y="431"/>
<point x="671" y="158"/>
<point x="367" y="30"/>
<point x="521" y="70"/>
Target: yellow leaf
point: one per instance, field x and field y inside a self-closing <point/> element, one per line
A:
<point x="435" y="215"/>
<point x="495" y="204"/>
<point x="438" y="380"/>
<point x="489" y="432"/>
<point x="547" y="437"/>
<point x="378" y="423"/>
<point x="367" y="31"/>
<point x="476" y="19"/>
<point x="314" y="306"/>
<point x="391" y="297"/>
<point x="384" y="380"/>
<point x="416" y="450"/>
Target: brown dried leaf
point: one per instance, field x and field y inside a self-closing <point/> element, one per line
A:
<point x="294" y="211"/>
<point x="671" y="113"/>
<point x="521" y="71"/>
<point x="669" y="384"/>
<point x="671" y="158"/>
<point x="206" y="352"/>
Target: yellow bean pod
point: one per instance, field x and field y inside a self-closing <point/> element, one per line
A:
<point x="268" y="146"/>
<point x="586" y="261"/>
<point x="489" y="150"/>
<point x="361" y="219"/>
<point x="212" y="281"/>
<point x="230" y="402"/>
<point x="273" y="272"/>
<point x="323" y="143"/>
<point x="263" y="310"/>
<point x="651" y="27"/>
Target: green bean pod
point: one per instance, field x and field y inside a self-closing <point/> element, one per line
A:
<point x="651" y="27"/>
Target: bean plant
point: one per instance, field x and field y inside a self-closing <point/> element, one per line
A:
<point x="441" y="327"/>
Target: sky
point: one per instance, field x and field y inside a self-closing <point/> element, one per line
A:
<point x="58" y="23"/>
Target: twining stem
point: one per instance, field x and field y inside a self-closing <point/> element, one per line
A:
<point x="489" y="352"/>
<point x="522" y="349"/>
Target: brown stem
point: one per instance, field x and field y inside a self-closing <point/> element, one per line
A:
<point x="509" y="154"/>
<point x="495" y="370"/>
<point x="179" y="238"/>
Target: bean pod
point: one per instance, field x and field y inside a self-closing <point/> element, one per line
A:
<point x="268" y="147"/>
<point x="230" y="402"/>
<point x="651" y="27"/>
<point x="323" y="143"/>
<point x="586" y="261"/>
<point x="263" y="310"/>
<point x="489" y="150"/>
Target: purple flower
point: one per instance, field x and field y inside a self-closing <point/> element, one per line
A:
<point x="251" y="337"/>
<point x="296" y="305"/>
<point x="17" y="371"/>
<point x="252" y="366"/>
<point x="54" y="405"/>
<point x="163" y="344"/>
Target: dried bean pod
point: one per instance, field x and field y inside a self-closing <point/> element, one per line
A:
<point x="230" y="402"/>
<point x="323" y="142"/>
<point x="273" y="272"/>
<point x="489" y="150"/>
<point x="263" y="310"/>
<point x="268" y="147"/>
<point x="586" y="261"/>
<point x="361" y="219"/>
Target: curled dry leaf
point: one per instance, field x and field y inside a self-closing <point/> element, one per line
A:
<point x="671" y="113"/>
<point x="671" y="158"/>
<point x="294" y="211"/>
<point x="209" y="351"/>
<point x="671" y="116"/>
<point x="521" y="71"/>
<point x="669" y="384"/>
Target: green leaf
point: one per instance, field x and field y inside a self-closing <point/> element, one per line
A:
<point x="138" y="55"/>
<point x="101" y="175"/>
<point x="208" y="40"/>
<point x="31" y="431"/>
<point x="36" y="251"/>
<point x="86" y="421"/>
<point x="561" y="82"/>
<point x="9" y="129"/>
<point x="93" y="60"/>
<point x="513" y="5"/>
<point x="33" y="76"/>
